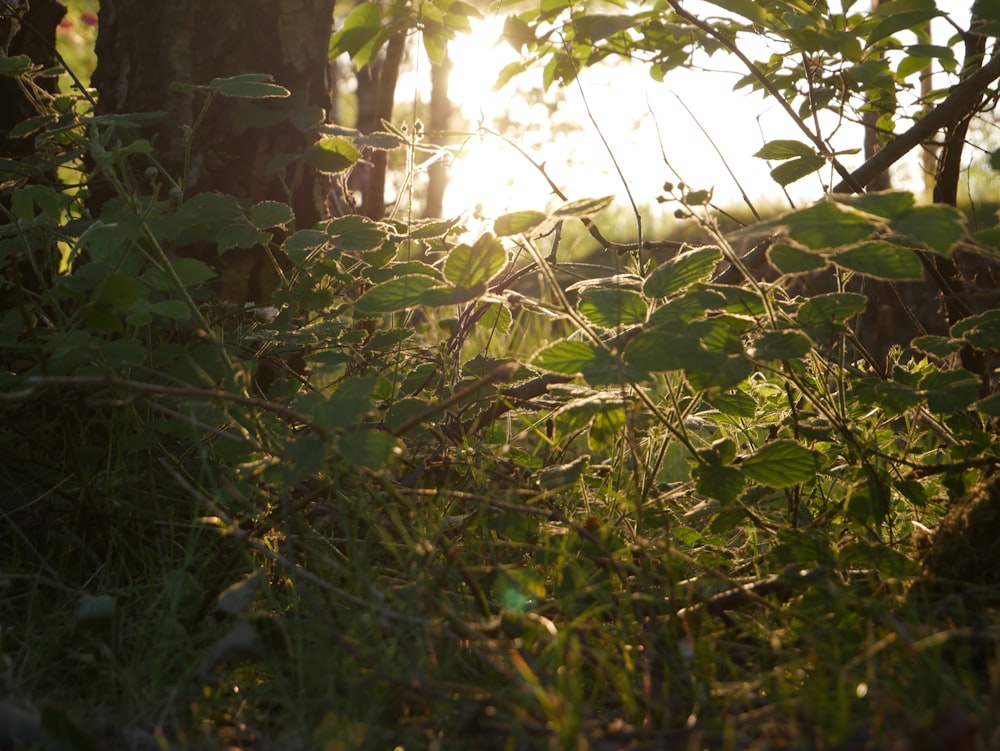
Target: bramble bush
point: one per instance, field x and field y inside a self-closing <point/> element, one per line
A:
<point x="426" y="492"/>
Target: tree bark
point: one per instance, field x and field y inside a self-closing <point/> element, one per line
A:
<point x="145" y="47"/>
<point x="440" y="115"/>
<point x="32" y="33"/>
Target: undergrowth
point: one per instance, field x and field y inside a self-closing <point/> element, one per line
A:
<point x="434" y="495"/>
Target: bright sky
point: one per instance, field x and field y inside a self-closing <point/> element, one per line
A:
<point x="627" y="105"/>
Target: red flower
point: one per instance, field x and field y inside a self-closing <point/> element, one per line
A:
<point x="89" y="18"/>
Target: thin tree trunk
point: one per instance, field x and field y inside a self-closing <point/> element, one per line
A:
<point x="440" y="115"/>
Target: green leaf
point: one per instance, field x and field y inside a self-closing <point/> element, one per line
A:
<point x="995" y="160"/>
<point x="13" y="66"/>
<point x="781" y="345"/>
<point x="950" y="391"/>
<point x="267" y="214"/>
<point x="781" y="150"/>
<point x="782" y="463"/>
<point x="733" y="403"/>
<point x="827" y="225"/>
<point x="830" y="310"/>
<point x="595" y="27"/>
<point x="936" y="227"/>
<point x="519" y="222"/>
<point x="360" y="34"/>
<point x="795" y="169"/>
<point x="582" y="207"/>
<point x="566" y="357"/>
<point x="436" y="297"/>
<point x="753" y="11"/>
<point x="662" y="349"/>
<point x="881" y="260"/>
<point x="722" y="483"/>
<point x="468" y="266"/>
<point x="609" y="308"/>
<point x="888" y="204"/>
<point x="249" y="86"/>
<point x="990" y="406"/>
<point x="791" y="260"/>
<point x="728" y="372"/>
<point x="552" y="478"/>
<point x="981" y="331"/>
<point x="682" y="271"/>
<point x="355" y="232"/>
<point x="331" y="155"/>
<point x="174" y="310"/>
<point x="939" y="346"/>
<point x="368" y="449"/>
<point x="396" y="294"/>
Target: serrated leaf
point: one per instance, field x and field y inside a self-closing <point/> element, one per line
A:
<point x="881" y="260"/>
<point x="733" y="403"/>
<point x="827" y="225"/>
<point x="939" y="346"/>
<point x="583" y="207"/>
<point x="789" y="172"/>
<point x="781" y="345"/>
<point x="990" y="406"/>
<point x="368" y="449"/>
<point x="519" y="222"/>
<point x="239" y="235"/>
<point x="609" y="308"/>
<point x="682" y="271"/>
<point x="267" y="214"/>
<point x="950" y="391"/>
<point x="936" y="227"/>
<point x="782" y="463"/>
<point x="356" y="233"/>
<point x="830" y="310"/>
<point x="981" y="331"/>
<point x="888" y="204"/>
<point x="791" y="260"/>
<point x="396" y="294"/>
<point x="331" y="155"/>
<point x="472" y="266"/>
<point x="781" y="149"/>
<point x="12" y="66"/>
<point x="722" y="483"/>
<point x="249" y="86"/>
<point x="566" y="357"/>
<point x="593" y="27"/>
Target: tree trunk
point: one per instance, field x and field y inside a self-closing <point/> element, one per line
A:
<point x="440" y="114"/>
<point x="31" y="33"/>
<point x="145" y="47"/>
<point x="376" y="96"/>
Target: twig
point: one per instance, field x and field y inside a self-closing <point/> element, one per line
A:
<point x="771" y="89"/>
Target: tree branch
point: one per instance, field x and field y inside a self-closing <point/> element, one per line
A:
<point x="958" y="104"/>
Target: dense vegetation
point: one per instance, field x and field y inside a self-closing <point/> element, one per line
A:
<point x="432" y="494"/>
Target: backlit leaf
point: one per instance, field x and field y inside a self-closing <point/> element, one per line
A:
<point x="331" y="155"/>
<point x="781" y="149"/>
<point x="936" y="227"/>
<point x="609" y="308"/>
<point x="827" y="225"/>
<point x="249" y="86"/>
<point x="469" y="266"/>
<point x="782" y="463"/>
<point x="788" y="172"/>
<point x="882" y="260"/>
<point x="681" y="271"/>
<point x="396" y="294"/>
<point x="791" y="260"/>
<point x="519" y="222"/>
<point x="566" y="357"/>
